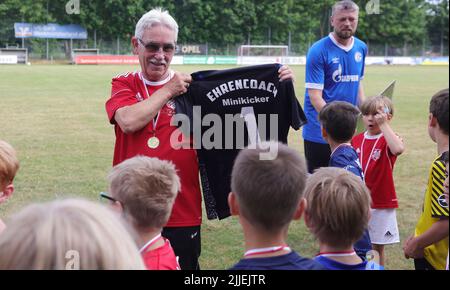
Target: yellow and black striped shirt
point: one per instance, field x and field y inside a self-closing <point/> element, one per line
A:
<point x="434" y="209"/>
<point x="439" y="207"/>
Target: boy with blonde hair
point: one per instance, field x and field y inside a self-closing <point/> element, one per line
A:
<point x="337" y="213"/>
<point x="67" y="234"/>
<point x="8" y="169"/>
<point x="266" y="196"/>
<point x="378" y="148"/>
<point x="429" y="245"/>
<point x="144" y="189"/>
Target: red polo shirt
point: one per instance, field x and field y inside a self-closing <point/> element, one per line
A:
<point x="129" y="89"/>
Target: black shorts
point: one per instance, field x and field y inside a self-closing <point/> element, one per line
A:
<point x="423" y="264"/>
<point x="186" y="244"/>
<point x="317" y="155"/>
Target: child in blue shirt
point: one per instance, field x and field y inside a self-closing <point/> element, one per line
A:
<point x="266" y="196"/>
<point x="338" y="123"/>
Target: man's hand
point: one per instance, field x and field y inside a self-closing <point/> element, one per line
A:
<point x="178" y="85"/>
<point x="135" y="117"/>
<point x="285" y="73"/>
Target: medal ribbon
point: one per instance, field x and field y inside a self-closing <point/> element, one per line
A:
<point x="336" y="254"/>
<point x="156" y="118"/>
<point x="261" y="251"/>
<point x="371" y="153"/>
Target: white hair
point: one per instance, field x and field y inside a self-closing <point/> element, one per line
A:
<point x="154" y="17"/>
<point x="346" y="5"/>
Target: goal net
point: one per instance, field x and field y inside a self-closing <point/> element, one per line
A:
<point x="83" y="51"/>
<point x="263" y="50"/>
<point x="260" y="54"/>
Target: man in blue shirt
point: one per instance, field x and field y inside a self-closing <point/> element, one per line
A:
<point x="334" y="70"/>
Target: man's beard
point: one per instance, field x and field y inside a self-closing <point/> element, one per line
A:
<point x="345" y="34"/>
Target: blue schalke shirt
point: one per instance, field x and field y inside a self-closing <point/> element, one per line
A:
<point x="335" y="70"/>
<point x="346" y="157"/>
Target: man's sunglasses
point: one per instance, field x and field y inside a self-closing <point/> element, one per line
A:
<point x="155" y="47"/>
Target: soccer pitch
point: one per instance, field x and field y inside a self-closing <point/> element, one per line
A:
<point x="55" y="118"/>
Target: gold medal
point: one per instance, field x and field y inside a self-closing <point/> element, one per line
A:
<point x="153" y="142"/>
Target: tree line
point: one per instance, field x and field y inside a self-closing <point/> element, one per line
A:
<point x="223" y="22"/>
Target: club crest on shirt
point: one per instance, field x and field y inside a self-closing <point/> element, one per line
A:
<point x="376" y="154"/>
<point x="169" y="108"/>
<point x="358" y="56"/>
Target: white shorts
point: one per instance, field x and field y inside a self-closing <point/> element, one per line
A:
<point x="383" y="228"/>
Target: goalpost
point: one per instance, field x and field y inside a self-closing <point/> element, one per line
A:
<point x="83" y="51"/>
<point x="13" y="55"/>
<point x="260" y="54"/>
<point x="263" y="50"/>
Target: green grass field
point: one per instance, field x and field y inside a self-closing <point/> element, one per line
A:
<point x="54" y="116"/>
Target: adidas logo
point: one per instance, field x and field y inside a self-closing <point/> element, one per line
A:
<point x="388" y="234"/>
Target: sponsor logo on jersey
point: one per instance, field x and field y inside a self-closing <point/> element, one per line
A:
<point x="441" y="201"/>
<point x="335" y="60"/>
<point x="339" y="78"/>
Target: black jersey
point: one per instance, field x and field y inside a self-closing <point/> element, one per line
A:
<point x="230" y="109"/>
